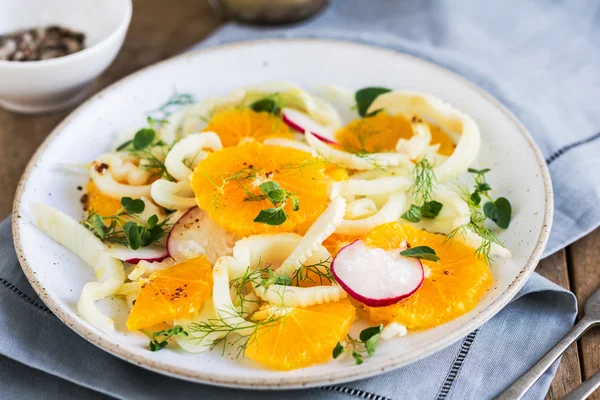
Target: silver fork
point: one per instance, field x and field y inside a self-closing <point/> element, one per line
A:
<point x="590" y="318"/>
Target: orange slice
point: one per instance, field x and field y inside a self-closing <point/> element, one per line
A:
<point x="374" y="134"/>
<point x="302" y="337"/>
<point x="452" y="286"/>
<point x="381" y="132"/>
<point x="336" y="173"/>
<point x="174" y="292"/>
<point x="439" y="136"/>
<point x="236" y="125"/>
<point x="226" y="184"/>
<point x="336" y="242"/>
<point x="100" y="203"/>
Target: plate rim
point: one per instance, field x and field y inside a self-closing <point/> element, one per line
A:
<point x="339" y="376"/>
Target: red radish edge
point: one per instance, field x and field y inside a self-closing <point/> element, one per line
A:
<point x="151" y="253"/>
<point x="371" y="301"/>
<point x="137" y="260"/>
<point x="301" y="123"/>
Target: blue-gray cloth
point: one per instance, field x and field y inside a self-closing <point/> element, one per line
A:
<point x="539" y="58"/>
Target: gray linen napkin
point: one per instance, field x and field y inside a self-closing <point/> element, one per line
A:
<point x="538" y="58"/>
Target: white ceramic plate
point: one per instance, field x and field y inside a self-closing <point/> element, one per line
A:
<point x="518" y="172"/>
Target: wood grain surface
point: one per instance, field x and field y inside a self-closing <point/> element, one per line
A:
<point x="161" y="29"/>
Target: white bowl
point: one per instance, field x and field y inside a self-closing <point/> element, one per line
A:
<point x="48" y="85"/>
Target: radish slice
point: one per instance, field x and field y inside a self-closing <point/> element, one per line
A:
<point x="194" y="234"/>
<point x="302" y="123"/>
<point x="374" y="276"/>
<point x="154" y="252"/>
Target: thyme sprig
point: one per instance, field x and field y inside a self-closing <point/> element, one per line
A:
<point x="422" y="189"/>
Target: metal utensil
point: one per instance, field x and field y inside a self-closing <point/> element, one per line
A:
<point x="590" y="318"/>
<point x="584" y="390"/>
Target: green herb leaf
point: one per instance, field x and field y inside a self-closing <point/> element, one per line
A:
<point x="124" y="145"/>
<point x="368" y="333"/>
<point x="271" y="216"/>
<point x="357" y="357"/>
<point x="143" y="138"/>
<point x="159" y="340"/>
<point x="295" y="203"/>
<point x="364" y="98"/>
<point x="475" y="198"/>
<point x="373" y="113"/>
<point x="254" y="197"/>
<point x="98" y="225"/>
<point x="479" y="171"/>
<point x="338" y="350"/>
<point x="499" y="211"/>
<point x="371" y="344"/>
<point x="421" y="252"/>
<point x="431" y="209"/>
<point x="156" y="233"/>
<point x="483" y="187"/>
<point x="156" y="346"/>
<point x="277" y="196"/>
<point x="267" y="104"/>
<point x="152" y="221"/>
<point x="281" y="280"/>
<point x="269" y="186"/>
<point x="133" y="206"/>
<point x="413" y="214"/>
<point x="133" y="234"/>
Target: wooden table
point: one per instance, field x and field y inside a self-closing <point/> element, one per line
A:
<point x="161" y="29"/>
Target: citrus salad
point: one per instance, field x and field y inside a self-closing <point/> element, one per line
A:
<point x="272" y="220"/>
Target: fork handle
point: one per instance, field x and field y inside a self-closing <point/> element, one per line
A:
<point x="522" y="385"/>
<point x="584" y="390"/>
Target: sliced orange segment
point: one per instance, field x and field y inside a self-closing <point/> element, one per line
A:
<point x="100" y="203"/>
<point x="302" y="337"/>
<point x="336" y="242"/>
<point x="452" y="286"/>
<point x="439" y="136"/>
<point x="336" y="173"/>
<point x="174" y="292"/>
<point x="374" y="134"/>
<point x="381" y="132"/>
<point x="240" y="124"/>
<point x="226" y="184"/>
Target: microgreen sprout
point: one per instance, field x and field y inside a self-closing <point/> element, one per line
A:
<point x="122" y="230"/>
<point x="366" y="343"/>
<point x="498" y="210"/>
<point x="159" y="340"/>
<point x="278" y="197"/>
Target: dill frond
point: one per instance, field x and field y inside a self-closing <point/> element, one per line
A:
<point x="424" y="181"/>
